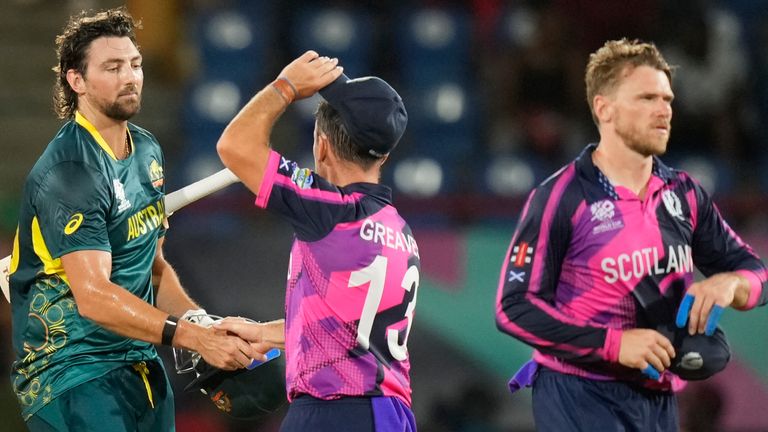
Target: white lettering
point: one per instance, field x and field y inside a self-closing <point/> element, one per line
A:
<point x="608" y="265"/>
<point x="656" y="268"/>
<point x="647" y="253"/>
<point x="625" y="276"/>
<point x="390" y="238"/>
<point x="366" y="230"/>
<point x="686" y="257"/>
<point x="377" y="232"/>
<point x="639" y="263"/>
<point x="399" y="241"/>
<point x="672" y="260"/>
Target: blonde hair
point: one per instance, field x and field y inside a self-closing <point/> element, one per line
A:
<point x="607" y="64"/>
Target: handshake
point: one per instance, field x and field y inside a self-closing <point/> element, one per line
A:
<point x="229" y="343"/>
<point x="246" y="392"/>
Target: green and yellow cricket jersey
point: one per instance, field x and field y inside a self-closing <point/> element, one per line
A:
<point x="79" y="196"/>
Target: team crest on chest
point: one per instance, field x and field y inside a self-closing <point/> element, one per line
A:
<point x="122" y="202"/>
<point x="672" y="203"/>
<point x="156" y="174"/>
<point x="603" y="213"/>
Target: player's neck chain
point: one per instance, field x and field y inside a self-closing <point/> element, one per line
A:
<point x="127" y="151"/>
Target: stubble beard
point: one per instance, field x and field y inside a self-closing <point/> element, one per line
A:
<point x="643" y="145"/>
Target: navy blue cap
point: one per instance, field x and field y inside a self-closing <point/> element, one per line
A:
<point x="243" y="394"/>
<point x="371" y="110"/>
<point x="699" y="356"/>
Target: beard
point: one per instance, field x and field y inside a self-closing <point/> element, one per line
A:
<point x="645" y="143"/>
<point x="122" y="110"/>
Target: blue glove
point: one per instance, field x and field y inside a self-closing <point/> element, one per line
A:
<point x="685" y="310"/>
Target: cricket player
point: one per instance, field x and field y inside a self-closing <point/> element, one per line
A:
<point x="354" y="267"/>
<point x="604" y="253"/>
<point x="90" y="289"/>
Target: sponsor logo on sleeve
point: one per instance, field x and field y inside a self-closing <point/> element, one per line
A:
<point x="74" y="223"/>
<point x="516" y="276"/>
<point x="302" y="177"/>
<point x="286" y="164"/>
<point x="521" y="254"/>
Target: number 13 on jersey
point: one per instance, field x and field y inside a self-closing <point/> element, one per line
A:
<point x="375" y="275"/>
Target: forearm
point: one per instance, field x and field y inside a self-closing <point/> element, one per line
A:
<point x="171" y="296"/>
<point x="244" y="144"/>
<point x="114" y="308"/>
<point x="553" y="333"/>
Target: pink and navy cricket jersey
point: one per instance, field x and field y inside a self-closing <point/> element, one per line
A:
<point x="589" y="259"/>
<point x="352" y="282"/>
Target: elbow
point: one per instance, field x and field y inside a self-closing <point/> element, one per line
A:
<point x="225" y="149"/>
<point x="88" y="310"/>
<point x="502" y="320"/>
<point x="509" y="309"/>
<point x="89" y="305"/>
<point x="234" y="155"/>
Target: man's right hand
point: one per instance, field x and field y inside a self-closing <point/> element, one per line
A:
<point x="643" y="347"/>
<point x="310" y="72"/>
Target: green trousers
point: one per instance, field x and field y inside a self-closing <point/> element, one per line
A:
<point x="128" y="399"/>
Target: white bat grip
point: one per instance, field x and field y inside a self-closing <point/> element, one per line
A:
<point x="199" y="189"/>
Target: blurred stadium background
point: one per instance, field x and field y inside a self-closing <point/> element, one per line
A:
<point x="495" y="96"/>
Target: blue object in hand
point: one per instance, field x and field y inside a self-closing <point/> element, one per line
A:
<point x="651" y="373"/>
<point x="685" y="310"/>
<point x="714" y="318"/>
<point x="271" y="355"/>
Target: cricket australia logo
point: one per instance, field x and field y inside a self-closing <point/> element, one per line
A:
<point x="122" y="202"/>
<point x="672" y="203"/>
<point x="156" y="174"/>
<point x="603" y="213"/>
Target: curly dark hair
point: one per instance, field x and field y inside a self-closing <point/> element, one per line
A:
<point x="72" y="48"/>
<point x="329" y="122"/>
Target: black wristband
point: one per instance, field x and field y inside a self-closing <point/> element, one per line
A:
<point x="169" y="330"/>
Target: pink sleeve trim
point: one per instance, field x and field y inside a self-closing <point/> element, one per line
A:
<point x="265" y="190"/>
<point x="612" y="345"/>
<point x="755" y="288"/>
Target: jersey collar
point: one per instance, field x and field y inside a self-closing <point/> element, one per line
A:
<point x="379" y="191"/>
<point x="82" y="121"/>
<point x="588" y="169"/>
